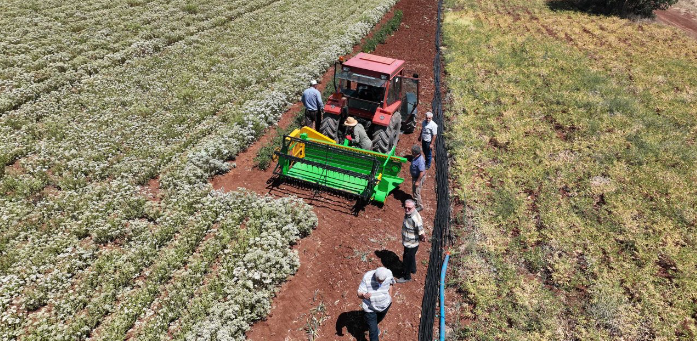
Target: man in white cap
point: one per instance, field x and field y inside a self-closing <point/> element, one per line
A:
<point x="312" y="100"/>
<point x="429" y="131"/>
<point x="376" y="291"/>
<point x="356" y="134"/>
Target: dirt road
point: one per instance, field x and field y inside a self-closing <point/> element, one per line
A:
<point x="680" y="18"/>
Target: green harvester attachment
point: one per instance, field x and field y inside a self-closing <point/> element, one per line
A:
<point x="315" y="159"/>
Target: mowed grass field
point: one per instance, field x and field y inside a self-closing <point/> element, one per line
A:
<point x="574" y="145"/>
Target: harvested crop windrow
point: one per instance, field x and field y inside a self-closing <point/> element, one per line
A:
<point x="84" y="252"/>
<point x="574" y="153"/>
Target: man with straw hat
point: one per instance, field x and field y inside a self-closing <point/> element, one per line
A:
<point x="356" y="134"/>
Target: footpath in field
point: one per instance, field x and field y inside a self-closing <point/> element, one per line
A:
<point x="320" y="299"/>
<point x="680" y="17"/>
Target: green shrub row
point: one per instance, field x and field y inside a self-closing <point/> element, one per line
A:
<point x="385" y="31"/>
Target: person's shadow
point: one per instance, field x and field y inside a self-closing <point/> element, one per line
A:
<point x="391" y="261"/>
<point x="400" y="195"/>
<point x="354" y="322"/>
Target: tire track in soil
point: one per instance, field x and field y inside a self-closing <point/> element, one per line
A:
<point x="343" y="246"/>
<point x="683" y="20"/>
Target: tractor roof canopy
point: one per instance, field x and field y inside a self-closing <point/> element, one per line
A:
<point x="377" y="64"/>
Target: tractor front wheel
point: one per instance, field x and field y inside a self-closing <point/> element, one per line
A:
<point x="410" y="124"/>
<point x="381" y="141"/>
<point x="395" y="133"/>
<point x="384" y="138"/>
<point x="330" y="126"/>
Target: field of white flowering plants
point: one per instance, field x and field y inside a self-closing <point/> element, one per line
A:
<point x="98" y="97"/>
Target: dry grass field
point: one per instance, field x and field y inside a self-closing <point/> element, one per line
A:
<point x="574" y="144"/>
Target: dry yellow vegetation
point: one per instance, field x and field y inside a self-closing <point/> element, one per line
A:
<point x="574" y="144"/>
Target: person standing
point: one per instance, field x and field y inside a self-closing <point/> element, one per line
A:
<point x="356" y="134"/>
<point x="376" y="291"/>
<point x="412" y="233"/>
<point x="429" y="131"/>
<point x="312" y="100"/>
<point x="417" y="169"/>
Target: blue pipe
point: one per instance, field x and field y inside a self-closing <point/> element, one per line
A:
<point x="442" y="297"/>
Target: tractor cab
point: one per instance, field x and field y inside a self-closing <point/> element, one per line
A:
<point x="379" y="93"/>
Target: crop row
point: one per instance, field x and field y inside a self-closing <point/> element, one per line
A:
<point x="45" y="50"/>
<point x="80" y="243"/>
<point x="573" y="148"/>
<point x="79" y="143"/>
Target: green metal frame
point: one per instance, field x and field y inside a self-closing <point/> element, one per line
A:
<point x="366" y="174"/>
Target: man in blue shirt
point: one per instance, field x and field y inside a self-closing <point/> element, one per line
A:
<point x="418" y="172"/>
<point x="312" y="100"/>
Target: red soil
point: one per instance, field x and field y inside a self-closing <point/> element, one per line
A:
<point x="344" y="246"/>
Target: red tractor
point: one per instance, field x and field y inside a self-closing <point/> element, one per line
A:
<point x="376" y="91"/>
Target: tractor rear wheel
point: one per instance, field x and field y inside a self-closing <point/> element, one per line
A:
<point x="330" y="126"/>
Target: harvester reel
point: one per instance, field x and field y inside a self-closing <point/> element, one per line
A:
<point x="330" y="126"/>
<point x="308" y="158"/>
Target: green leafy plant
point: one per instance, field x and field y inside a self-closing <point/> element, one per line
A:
<point x="317" y="316"/>
<point x="265" y="156"/>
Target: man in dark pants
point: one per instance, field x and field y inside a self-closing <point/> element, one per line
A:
<point x="412" y="233"/>
<point x="417" y="169"/>
<point x="312" y="100"/>
<point x="376" y="291"/>
<point x="429" y="131"/>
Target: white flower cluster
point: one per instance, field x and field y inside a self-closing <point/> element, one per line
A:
<point x="82" y="251"/>
<point x="254" y="265"/>
<point x="252" y="278"/>
<point x="265" y="265"/>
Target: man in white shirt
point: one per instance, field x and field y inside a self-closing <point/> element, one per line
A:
<point x="429" y="131"/>
<point x="376" y="291"/>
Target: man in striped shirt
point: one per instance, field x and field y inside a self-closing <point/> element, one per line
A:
<point x="376" y="291"/>
<point x="412" y="233"/>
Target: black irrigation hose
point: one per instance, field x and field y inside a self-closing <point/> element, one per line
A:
<point x="441" y="223"/>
